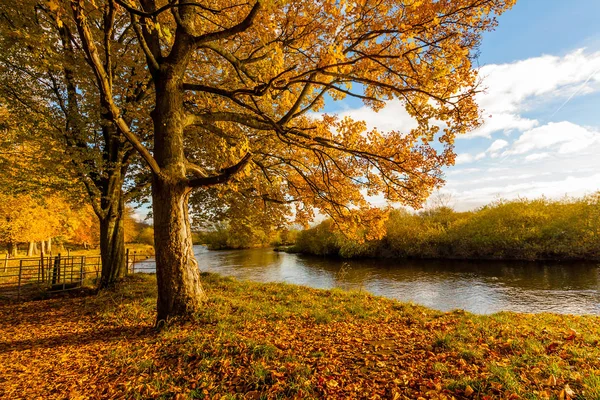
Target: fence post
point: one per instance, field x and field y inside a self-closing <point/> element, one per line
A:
<point x="49" y="263"/>
<point x="6" y="261"/>
<point x="41" y="270"/>
<point x="81" y="270"/>
<point x="56" y="270"/>
<point x="133" y="264"/>
<point x="20" y="273"/>
<point x="127" y="260"/>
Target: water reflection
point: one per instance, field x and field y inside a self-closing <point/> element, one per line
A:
<point x="480" y="287"/>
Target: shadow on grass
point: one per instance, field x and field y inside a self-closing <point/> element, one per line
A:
<point x="79" y="338"/>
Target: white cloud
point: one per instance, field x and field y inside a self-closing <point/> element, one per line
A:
<point x="537" y="156"/>
<point x="564" y="137"/>
<point x="513" y="88"/>
<point x="510" y="85"/>
<point x="464" y="158"/>
<point x="497" y="145"/>
<point x="501" y="122"/>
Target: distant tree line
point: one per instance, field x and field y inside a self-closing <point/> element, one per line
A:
<point x="46" y="224"/>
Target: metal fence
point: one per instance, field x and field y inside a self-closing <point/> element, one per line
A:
<point x="23" y="277"/>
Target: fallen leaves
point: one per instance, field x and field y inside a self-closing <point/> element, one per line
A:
<point x="283" y="341"/>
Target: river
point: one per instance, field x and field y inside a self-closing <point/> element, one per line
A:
<point x="481" y="287"/>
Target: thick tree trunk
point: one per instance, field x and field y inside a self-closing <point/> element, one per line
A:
<point x="179" y="290"/>
<point x="31" y="249"/>
<point x="112" y="243"/>
<point x="49" y="246"/>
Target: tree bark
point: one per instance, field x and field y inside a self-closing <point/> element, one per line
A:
<point x="31" y="249"/>
<point x="49" y="246"/>
<point x="112" y="242"/>
<point x="180" y="293"/>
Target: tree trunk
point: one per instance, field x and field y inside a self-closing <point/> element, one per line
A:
<point x="31" y="249"/>
<point x="112" y="243"/>
<point x="49" y="246"/>
<point x="12" y="249"/>
<point x="43" y="247"/>
<point x="180" y="292"/>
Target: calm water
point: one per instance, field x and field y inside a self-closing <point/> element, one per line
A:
<point x="480" y="287"/>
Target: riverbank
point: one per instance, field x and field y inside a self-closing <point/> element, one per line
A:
<point x="276" y="340"/>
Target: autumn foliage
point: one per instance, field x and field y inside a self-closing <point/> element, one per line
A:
<point x="283" y="341"/>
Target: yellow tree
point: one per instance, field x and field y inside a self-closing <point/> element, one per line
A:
<point x="44" y="77"/>
<point x="234" y="87"/>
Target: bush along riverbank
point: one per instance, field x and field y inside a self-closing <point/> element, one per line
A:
<point x="523" y="230"/>
<point x="283" y="341"/>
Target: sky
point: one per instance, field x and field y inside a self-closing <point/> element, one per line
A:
<point x="541" y="108"/>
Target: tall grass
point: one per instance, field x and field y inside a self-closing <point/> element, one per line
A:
<point x="519" y="229"/>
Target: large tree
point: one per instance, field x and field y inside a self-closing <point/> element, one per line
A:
<point x="45" y="78"/>
<point x="236" y="88"/>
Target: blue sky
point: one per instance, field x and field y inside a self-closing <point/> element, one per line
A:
<point x="541" y="108"/>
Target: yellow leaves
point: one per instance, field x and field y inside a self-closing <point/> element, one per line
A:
<point x="53" y="5"/>
<point x="469" y="391"/>
<point x="566" y="394"/>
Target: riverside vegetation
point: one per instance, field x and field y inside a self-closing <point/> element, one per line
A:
<point x="284" y="341"/>
<point x="541" y="229"/>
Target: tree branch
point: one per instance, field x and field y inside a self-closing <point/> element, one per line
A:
<point x="239" y="28"/>
<point x="224" y="176"/>
<point x="105" y="88"/>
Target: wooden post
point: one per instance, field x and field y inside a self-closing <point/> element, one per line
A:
<point x="20" y="273"/>
<point x="127" y="259"/>
<point x="49" y="271"/>
<point x="56" y="270"/>
<point x="81" y="271"/>
<point x="41" y="275"/>
<point x="133" y="264"/>
<point x="64" y="278"/>
<point x="6" y="261"/>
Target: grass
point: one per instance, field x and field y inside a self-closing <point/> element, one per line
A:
<point x="257" y="340"/>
